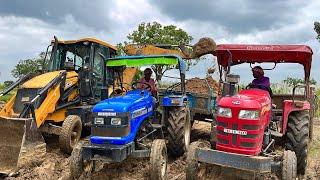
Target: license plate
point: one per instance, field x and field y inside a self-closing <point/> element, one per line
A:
<point x="107" y="114"/>
<point x="232" y="131"/>
<point x="25" y="99"/>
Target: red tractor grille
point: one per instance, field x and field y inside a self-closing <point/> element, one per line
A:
<point x="237" y="142"/>
<point x="250" y="127"/>
<point x="253" y="136"/>
<point x="247" y="144"/>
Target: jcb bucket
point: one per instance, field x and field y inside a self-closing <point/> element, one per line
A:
<point x="21" y="144"/>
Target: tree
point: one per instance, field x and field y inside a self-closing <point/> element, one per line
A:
<point x="317" y="29"/>
<point x="294" y="81"/>
<point x="28" y="65"/>
<point x="155" y="33"/>
<point x="7" y="83"/>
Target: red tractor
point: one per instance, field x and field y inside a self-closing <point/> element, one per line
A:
<point x="254" y="129"/>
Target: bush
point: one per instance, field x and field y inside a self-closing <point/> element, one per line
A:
<point x="6" y="98"/>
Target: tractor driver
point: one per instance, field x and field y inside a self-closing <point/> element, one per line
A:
<point x="148" y="80"/>
<point x="260" y="81"/>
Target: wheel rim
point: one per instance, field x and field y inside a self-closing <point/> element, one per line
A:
<point x="163" y="162"/>
<point x="75" y="135"/>
<point x="187" y="131"/>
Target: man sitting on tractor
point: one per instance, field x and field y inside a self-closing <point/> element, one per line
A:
<point x="260" y="81"/>
<point x="147" y="80"/>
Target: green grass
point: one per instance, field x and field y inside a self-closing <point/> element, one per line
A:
<point x="7" y="97"/>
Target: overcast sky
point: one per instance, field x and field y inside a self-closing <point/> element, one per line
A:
<point x="26" y="27"/>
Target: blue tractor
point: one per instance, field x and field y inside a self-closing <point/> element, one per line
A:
<point x="131" y="124"/>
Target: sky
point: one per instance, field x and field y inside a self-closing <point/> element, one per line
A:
<point x="27" y="27"/>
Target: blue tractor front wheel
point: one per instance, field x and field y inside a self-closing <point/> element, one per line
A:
<point x="158" y="160"/>
<point x="77" y="164"/>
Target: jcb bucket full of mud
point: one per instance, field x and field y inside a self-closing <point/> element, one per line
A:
<point x="21" y="143"/>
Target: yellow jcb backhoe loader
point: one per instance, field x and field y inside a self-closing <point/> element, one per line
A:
<point x="56" y="101"/>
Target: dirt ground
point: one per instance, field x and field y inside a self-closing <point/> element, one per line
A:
<point x="197" y="85"/>
<point x="56" y="164"/>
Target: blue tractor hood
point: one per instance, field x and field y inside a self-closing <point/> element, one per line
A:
<point x="124" y="103"/>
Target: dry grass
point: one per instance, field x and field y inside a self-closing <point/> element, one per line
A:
<point x="313" y="171"/>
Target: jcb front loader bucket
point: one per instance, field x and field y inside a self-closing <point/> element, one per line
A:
<point x="21" y="144"/>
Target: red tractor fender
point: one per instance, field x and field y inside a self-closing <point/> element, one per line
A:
<point x="290" y="106"/>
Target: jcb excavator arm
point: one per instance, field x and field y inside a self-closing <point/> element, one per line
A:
<point x="136" y="49"/>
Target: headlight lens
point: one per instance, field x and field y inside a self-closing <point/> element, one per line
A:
<point x="224" y="112"/>
<point x="249" y="114"/>
<point x="98" y="120"/>
<point x="116" y="121"/>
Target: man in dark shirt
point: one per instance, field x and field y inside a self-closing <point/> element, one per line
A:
<point x="260" y="81"/>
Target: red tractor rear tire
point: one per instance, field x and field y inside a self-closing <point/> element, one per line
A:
<point x="297" y="137"/>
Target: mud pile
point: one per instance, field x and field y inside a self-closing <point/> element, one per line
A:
<point x="56" y="165"/>
<point x="203" y="46"/>
<point x="197" y="85"/>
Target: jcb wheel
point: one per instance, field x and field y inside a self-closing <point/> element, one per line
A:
<point x="297" y="138"/>
<point x="77" y="164"/>
<point x="178" y="127"/>
<point x="158" y="160"/>
<point x="193" y="166"/>
<point x="70" y="133"/>
<point x="289" y="165"/>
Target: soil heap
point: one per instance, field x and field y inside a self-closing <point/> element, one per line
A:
<point x="197" y="85"/>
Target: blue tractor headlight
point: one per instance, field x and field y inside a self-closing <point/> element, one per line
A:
<point x="116" y="121"/>
<point x="99" y="120"/>
<point x="249" y="114"/>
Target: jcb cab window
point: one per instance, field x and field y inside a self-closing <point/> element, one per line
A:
<point x="98" y="64"/>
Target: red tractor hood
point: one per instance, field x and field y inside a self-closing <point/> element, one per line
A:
<point x="229" y="129"/>
<point x="247" y="99"/>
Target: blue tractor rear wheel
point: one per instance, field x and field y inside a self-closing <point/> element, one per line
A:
<point x="178" y="127"/>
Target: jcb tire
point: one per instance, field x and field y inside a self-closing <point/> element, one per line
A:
<point x="158" y="160"/>
<point x="289" y="166"/>
<point x="70" y="133"/>
<point x="77" y="164"/>
<point x="193" y="166"/>
<point x="297" y="138"/>
<point x="179" y="129"/>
